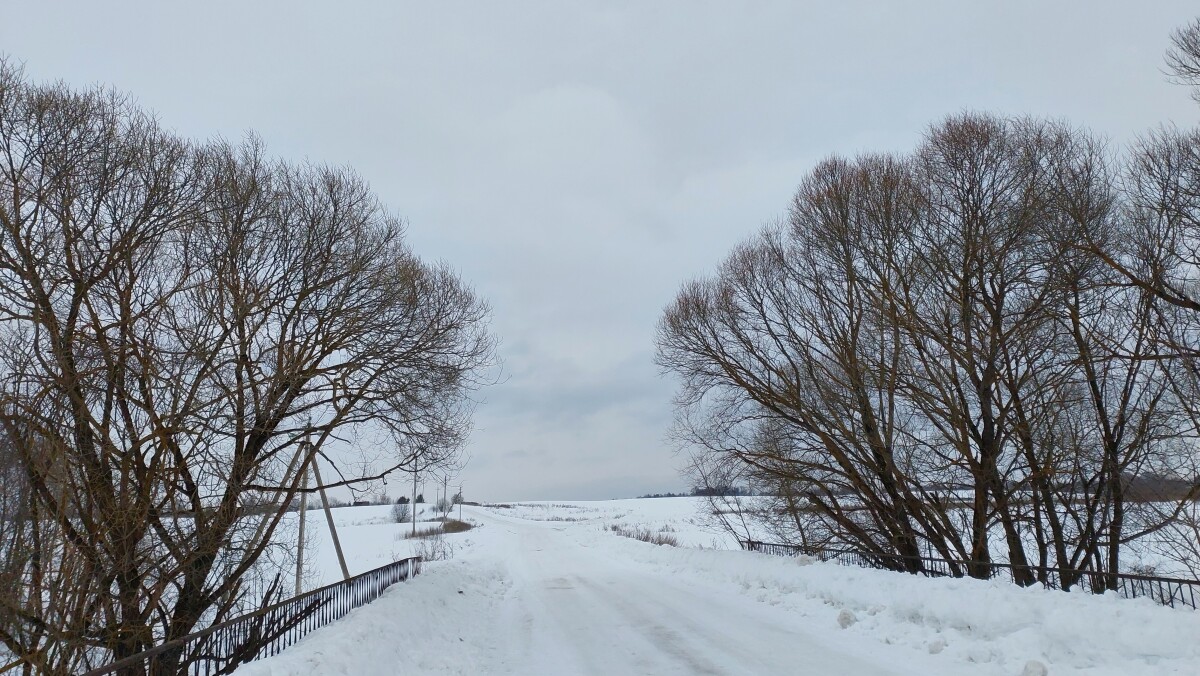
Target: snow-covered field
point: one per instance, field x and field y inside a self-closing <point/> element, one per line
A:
<point x="549" y="588"/>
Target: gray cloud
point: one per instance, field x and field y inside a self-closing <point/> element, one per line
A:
<point x="577" y="162"/>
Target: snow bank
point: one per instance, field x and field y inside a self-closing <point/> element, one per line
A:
<point x="416" y="627"/>
<point x="974" y="622"/>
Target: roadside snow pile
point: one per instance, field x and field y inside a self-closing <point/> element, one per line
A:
<point x="976" y="622"/>
<point x="414" y="628"/>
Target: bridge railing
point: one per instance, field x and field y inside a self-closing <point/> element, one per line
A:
<point x="223" y="647"/>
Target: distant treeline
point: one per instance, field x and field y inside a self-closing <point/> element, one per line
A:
<point x="702" y="491"/>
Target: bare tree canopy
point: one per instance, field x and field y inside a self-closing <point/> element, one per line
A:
<point x="923" y="358"/>
<point x="985" y="349"/>
<point x="175" y="318"/>
<point x="1183" y="58"/>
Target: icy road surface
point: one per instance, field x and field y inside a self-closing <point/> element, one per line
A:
<point x="548" y="589"/>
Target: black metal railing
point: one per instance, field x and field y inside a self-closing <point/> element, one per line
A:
<point x="223" y="647"/>
<point x="1167" y="591"/>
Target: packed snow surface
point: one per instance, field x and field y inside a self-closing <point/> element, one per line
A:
<point x="548" y="588"/>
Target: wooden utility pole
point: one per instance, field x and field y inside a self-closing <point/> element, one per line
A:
<point x="303" y="509"/>
<point x="337" y="544"/>
<point x="414" y="503"/>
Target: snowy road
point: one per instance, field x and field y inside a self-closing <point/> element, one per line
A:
<point x="549" y="589"/>
<point x="574" y="609"/>
<point x="556" y="598"/>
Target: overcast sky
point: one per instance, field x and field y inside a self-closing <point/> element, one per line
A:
<point x="577" y="162"/>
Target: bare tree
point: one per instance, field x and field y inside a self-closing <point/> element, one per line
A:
<point x="176" y="319"/>
<point x="789" y="356"/>
<point x="1183" y="58"/>
<point x="924" y="357"/>
<point x="979" y="317"/>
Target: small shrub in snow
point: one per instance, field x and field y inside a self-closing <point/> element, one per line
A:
<point x="434" y="548"/>
<point x="846" y="618"/>
<point x="455" y="526"/>
<point x="645" y="535"/>
<point x="1141" y="568"/>
<point x="439" y="528"/>
<point x="420" y="533"/>
<point x="400" y="512"/>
